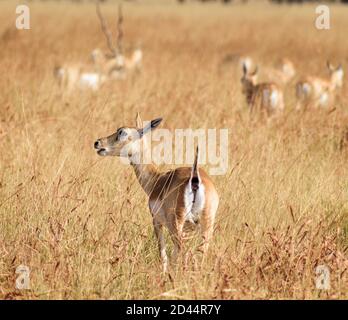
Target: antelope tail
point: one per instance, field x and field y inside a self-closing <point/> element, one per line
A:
<point x="195" y="178"/>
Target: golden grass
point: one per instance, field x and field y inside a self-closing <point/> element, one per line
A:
<point x="81" y="222"/>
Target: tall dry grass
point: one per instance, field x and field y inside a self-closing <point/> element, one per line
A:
<point x="81" y="222"/>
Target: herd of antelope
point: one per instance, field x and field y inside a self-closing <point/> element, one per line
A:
<point x="185" y="198"/>
<point x="268" y="96"/>
<point x="114" y="65"/>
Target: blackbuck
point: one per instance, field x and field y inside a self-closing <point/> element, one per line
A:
<point x="106" y="66"/>
<point x="115" y="64"/>
<point x="317" y="91"/>
<point x="180" y="199"/>
<point x="268" y="97"/>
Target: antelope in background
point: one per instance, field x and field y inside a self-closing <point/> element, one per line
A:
<point x="115" y="64"/>
<point x="317" y="91"/>
<point x="105" y="66"/>
<point x="180" y="198"/>
<point x="75" y="75"/>
<point x="266" y="96"/>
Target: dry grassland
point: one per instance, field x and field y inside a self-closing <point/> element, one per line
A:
<point x="81" y="222"/>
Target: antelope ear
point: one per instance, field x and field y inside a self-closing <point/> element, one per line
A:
<point x="150" y="126"/>
<point x="155" y="123"/>
<point x="329" y="66"/>
<point x="255" y="71"/>
<point x="245" y="69"/>
<point x="138" y="121"/>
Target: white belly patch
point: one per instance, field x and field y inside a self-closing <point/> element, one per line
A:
<point x="274" y="99"/>
<point x="323" y="100"/>
<point x="194" y="204"/>
<point x="89" y="80"/>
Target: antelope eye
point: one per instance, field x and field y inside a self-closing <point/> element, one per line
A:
<point x="121" y="133"/>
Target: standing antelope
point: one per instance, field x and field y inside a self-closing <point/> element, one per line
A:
<point x="115" y="64"/>
<point x="267" y="96"/>
<point x="178" y="198"/>
<point x="319" y="91"/>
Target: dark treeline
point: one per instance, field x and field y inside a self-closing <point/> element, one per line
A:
<point x="229" y="1"/>
<point x="303" y="1"/>
<point x="273" y="1"/>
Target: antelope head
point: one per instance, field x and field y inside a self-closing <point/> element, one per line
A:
<point x="248" y="79"/>
<point x="336" y="75"/>
<point x="125" y="142"/>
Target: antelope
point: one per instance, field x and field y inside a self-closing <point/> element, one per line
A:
<point x="178" y="199"/>
<point x="115" y="64"/>
<point x="267" y="96"/>
<point x="317" y="90"/>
